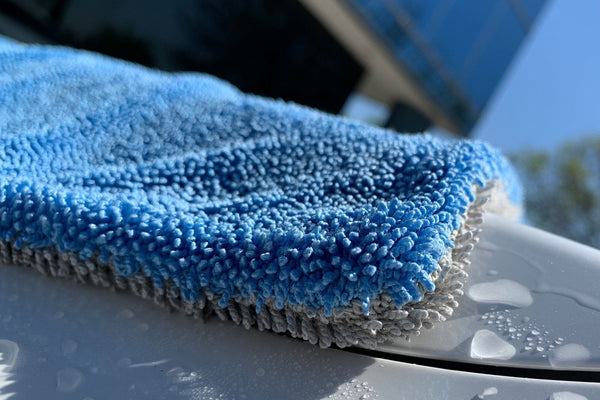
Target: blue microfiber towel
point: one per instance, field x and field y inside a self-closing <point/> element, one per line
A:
<point x="183" y="189"/>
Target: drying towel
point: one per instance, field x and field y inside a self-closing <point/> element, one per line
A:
<point x="179" y="187"/>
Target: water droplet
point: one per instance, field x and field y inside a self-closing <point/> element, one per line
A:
<point x="566" y="396"/>
<point x="69" y="346"/>
<point x="535" y="332"/>
<point x="488" y="345"/>
<point x="176" y="371"/>
<point x="68" y="379"/>
<point x="126" y="313"/>
<point x="491" y="391"/>
<point x="569" y="355"/>
<point x="502" y="291"/>
<point x="260" y="372"/>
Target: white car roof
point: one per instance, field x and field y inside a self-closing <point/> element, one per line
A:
<point x="63" y="340"/>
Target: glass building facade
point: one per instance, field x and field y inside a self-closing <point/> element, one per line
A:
<point x="456" y="50"/>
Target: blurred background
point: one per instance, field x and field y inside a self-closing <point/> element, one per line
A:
<point x="520" y="74"/>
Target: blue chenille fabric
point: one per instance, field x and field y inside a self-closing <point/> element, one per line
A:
<point x="181" y="176"/>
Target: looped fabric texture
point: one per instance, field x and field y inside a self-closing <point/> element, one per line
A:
<point x="182" y="180"/>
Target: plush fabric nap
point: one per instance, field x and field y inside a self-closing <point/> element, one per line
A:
<point x="183" y="189"/>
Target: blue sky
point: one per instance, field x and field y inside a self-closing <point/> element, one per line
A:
<point x="551" y="92"/>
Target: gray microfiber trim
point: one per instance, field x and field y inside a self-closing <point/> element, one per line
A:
<point x="346" y="327"/>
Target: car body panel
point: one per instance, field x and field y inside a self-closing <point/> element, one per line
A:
<point x="546" y="302"/>
<point x="64" y="340"/>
